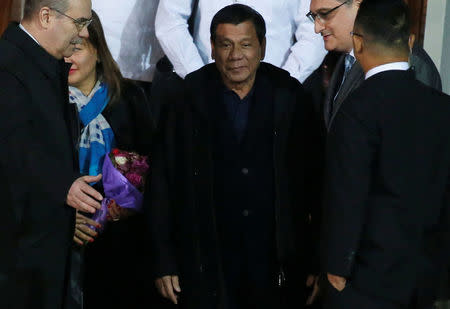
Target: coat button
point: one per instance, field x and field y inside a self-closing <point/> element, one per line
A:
<point x="244" y="171"/>
<point x="245" y="213"/>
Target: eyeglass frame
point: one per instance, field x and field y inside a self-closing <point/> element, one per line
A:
<point x="352" y="33"/>
<point x="322" y="16"/>
<point x="80" y="23"/>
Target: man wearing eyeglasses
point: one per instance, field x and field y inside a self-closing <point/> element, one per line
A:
<point x="40" y="186"/>
<point x="334" y="20"/>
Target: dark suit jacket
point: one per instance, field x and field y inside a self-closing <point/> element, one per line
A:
<point x="182" y="215"/>
<point x="423" y="66"/>
<point x="38" y="166"/>
<point x="387" y="186"/>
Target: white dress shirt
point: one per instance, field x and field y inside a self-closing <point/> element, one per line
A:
<point x="29" y="34"/>
<point x="402" y="66"/>
<point x="291" y="41"/>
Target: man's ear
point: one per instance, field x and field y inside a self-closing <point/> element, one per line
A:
<point x="263" y="48"/>
<point x="213" y="53"/>
<point x="358" y="44"/>
<point x="358" y="2"/>
<point x="44" y="17"/>
<point x="412" y="39"/>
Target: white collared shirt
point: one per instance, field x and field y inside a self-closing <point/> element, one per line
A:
<point x="292" y="43"/>
<point x="402" y="66"/>
<point x="25" y="30"/>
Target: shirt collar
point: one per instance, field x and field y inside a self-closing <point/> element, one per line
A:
<point x="25" y="30"/>
<point x="402" y="66"/>
<point x="352" y="53"/>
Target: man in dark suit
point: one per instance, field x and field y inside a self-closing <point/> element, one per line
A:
<point x="334" y="20"/>
<point x="387" y="204"/>
<point x="235" y="180"/>
<point x="38" y="157"/>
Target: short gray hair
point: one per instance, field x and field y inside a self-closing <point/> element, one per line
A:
<point x="32" y="6"/>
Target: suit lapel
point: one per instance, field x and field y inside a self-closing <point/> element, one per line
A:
<point x="333" y="87"/>
<point x="354" y="78"/>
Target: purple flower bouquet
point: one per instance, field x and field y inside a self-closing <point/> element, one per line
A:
<point x="123" y="181"/>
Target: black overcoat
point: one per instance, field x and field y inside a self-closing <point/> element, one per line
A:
<point x="37" y="133"/>
<point x="120" y="247"/>
<point x="182" y="214"/>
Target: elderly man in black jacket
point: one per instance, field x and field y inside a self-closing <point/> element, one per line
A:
<point x="38" y="133"/>
<point x="236" y="178"/>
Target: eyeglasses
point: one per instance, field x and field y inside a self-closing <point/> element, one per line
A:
<point x="352" y="33"/>
<point x="324" y="16"/>
<point x="80" y="23"/>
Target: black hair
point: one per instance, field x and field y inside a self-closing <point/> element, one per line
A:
<point x="385" y="23"/>
<point x="236" y="14"/>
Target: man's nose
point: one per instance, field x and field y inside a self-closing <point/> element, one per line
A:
<point x="318" y="25"/>
<point x="236" y="52"/>
<point x="84" y="33"/>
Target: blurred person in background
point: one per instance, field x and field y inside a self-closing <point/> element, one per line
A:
<point x="130" y="33"/>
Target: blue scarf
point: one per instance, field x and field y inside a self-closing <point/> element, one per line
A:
<point x="97" y="137"/>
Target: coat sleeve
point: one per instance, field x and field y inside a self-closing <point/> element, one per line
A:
<point x="349" y="156"/>
<point x="308" y="52"/>
<point x="171" y="26"/>
<point x="157" y="203"/>
<point x="13" y="116"/>
<point x="143" y="119"/>
<point x="313" y="156"/>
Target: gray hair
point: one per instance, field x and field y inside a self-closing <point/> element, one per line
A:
<point x="32" y="6"/>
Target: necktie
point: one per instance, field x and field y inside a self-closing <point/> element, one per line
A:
<point x="349" y="61"/>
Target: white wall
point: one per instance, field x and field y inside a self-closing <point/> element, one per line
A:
<point x="437" y="38"/>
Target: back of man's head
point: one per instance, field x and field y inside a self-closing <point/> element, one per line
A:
<point x="33" y="6"/>
<point x="385" y="26"/>
<point x="235" y="14"/>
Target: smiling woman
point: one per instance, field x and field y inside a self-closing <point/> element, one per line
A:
<point x="114" y="113"/>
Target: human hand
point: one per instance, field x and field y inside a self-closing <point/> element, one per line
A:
<point x="167" y="286"/>
<point x="312" y="281"/>
<point x="83" y="233"/>
<point x="116" y="212"/>
<point x="337" y="282"/>
<point x="82" y="196"/>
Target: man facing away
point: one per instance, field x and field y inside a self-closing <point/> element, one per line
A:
<point x="386" y="216"/>
<point x="334" y="20"/>
<point x="39" y="132"/>
<point x="235" y="179"/>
